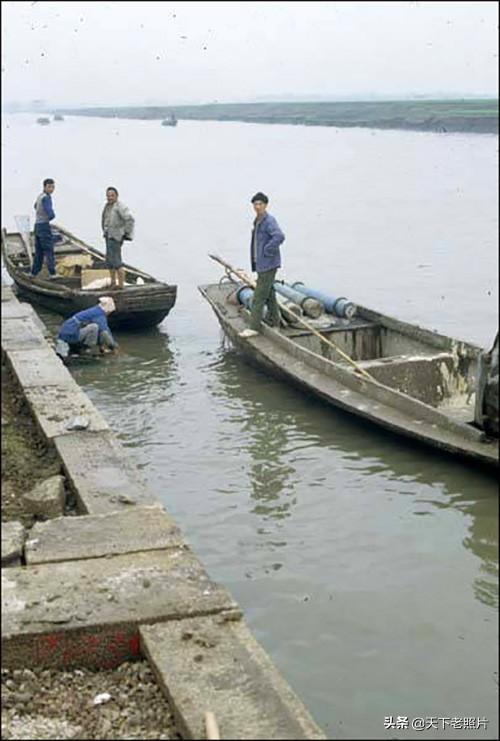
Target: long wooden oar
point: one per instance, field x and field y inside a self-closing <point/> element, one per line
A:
<point x="243" y="277"/>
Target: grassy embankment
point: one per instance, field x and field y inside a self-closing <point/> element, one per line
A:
<point x="478" y="116"/>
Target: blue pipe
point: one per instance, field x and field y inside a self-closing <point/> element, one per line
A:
<point x="310" y="306"/>
<point x="339" y="306"/>
<point x="244" y="296"/>
<point x="289" y="293"/>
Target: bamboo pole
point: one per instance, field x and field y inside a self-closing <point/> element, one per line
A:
<point x="211" y="726"/>
<point x="242" y="276"/>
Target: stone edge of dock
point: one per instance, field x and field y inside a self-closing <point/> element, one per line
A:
<point x="118" y="581"/>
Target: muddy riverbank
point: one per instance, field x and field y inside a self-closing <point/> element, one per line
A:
<point x="471" y="116"/>
<point x="26" y="458"/>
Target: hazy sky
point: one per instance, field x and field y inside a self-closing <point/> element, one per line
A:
<point x="173" y="52"/>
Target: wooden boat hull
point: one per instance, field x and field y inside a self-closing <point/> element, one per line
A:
<point x="374" y="401"/>
<point x="137" y="306"/>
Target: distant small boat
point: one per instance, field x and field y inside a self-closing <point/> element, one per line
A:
<point x="58" y="117"/>
<point x="43" y="120"/>
<point x="170" y="121"/>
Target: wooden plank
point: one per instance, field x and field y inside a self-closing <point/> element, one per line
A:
<point x="89" y="275"/>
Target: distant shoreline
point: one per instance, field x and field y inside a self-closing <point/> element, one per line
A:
<point x="473" y="116"/>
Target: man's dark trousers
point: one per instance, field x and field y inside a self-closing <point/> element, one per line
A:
<point x="44" y="248"/>
<point x="265" y="293"/>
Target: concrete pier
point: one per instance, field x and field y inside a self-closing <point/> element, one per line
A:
<point x="118" y="580"/>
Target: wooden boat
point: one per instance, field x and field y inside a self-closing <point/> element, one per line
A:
<point x="415" y="382"/>
<point x="143" y="302"/>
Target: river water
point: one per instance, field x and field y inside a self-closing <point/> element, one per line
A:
<point x="366" y="567"/>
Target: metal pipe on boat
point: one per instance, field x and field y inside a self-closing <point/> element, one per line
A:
<point x="309" y="305"/>
<point x="340" y="306"/>
<point x="244" y="295"/>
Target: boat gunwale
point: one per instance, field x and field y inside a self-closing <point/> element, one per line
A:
<point x="152" y="281"/>
<point x="359" y="385"/>
<point x="156" y="297"/>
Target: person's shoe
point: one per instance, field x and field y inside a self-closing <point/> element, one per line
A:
<point x="246" y="333"/>
<point x="62" y="349"/>
<point x="53" y="277"/>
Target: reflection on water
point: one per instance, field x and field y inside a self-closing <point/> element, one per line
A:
<point x="387" y="555"/>
<point x="272" y="479"/>
<point x="284" y="427"/>
<point x="482" y="540"/>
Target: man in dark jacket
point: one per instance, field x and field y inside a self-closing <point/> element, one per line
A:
<point x="265" y="260"/>
<point x="44" y="240"/>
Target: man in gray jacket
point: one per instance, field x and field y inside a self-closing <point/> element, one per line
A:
<point x="117" y="226"/>
<point x="265" y="259"/>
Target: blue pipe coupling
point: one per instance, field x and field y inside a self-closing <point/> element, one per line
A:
<point x="339" y="306"/>
<point x="310" y="306"/>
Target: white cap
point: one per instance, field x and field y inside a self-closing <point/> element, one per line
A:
<point x="107" y="304"/>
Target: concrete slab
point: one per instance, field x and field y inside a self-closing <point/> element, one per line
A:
<point x="38" y="367"/>
<point x="101" y="474"/>
<point x="212" y="664"/>
<point x="7" y="294"/>
<point x="43" y="328"/>
<point x="55" y="407"/>
<point x="94" y="536"/>
<point x="13" y="535"/>
<point x="14" y="309"/>
<point x="21" y="334"/>
<point x="87" y="613"/>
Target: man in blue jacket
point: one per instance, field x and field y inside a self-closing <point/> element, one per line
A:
<point x="265" y="259"/>
<point x="44" y="241"/>
<point x="87" y="330"/>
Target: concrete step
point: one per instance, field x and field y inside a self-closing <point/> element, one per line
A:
<point x="55" y="407"/>
<point x="38" y="367"/>
<point x="87" y="613"/>
<point x="13" y="536"/>
<point x="212" y="664"/>
<point x="21" y="334"/>
<point x="101" y="473"/>
<point x="94" y="536"/>
<point x="7" y="294"/>
<point x="17" y="309"/>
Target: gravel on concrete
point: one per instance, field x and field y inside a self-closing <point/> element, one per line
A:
<point x="124" y="703"/>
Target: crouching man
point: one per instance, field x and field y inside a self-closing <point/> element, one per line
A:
<point x="88" y="330"/>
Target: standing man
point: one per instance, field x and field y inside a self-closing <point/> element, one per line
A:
<point x="44" y="241"/>
<point x="117" y="226"/>
<point x="265" y="259"/>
